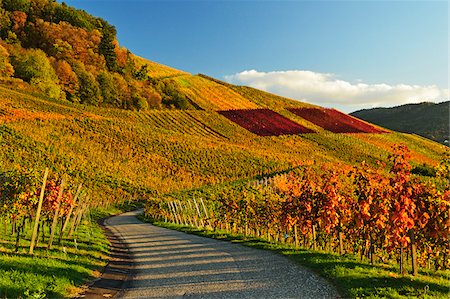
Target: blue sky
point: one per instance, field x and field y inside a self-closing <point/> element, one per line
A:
<point x="394" y="47"/>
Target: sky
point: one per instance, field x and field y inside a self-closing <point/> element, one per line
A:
<point x="348" y="55"/>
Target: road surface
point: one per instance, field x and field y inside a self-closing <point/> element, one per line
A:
<point x="172" y="264"/>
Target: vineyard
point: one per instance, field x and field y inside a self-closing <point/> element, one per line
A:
<point x="167" y="150"/>
<point x="210" y="95"/>
<point x="184" y="122"/>
<point x="335" y="121"/>
<point x="54" y="209"/>
<point x="382" y="214"/>
<point x="110" y="127"/>
<point x="156" y="70"/>
<point x="49" y="237"/>
<point x="264" y="122"/>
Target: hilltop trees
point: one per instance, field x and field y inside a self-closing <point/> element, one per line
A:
<point x="65" y="53"/>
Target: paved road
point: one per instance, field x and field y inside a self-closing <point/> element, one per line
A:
<point x="171" y="264"/>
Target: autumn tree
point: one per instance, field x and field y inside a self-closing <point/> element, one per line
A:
<point x="123" y="90"/>
<point x="66" y="42"/>
<point x="34" y="67"/>
<point x="108" y="88"/>
<point x="18" y="19"/>
<point x="67" y="78"/>
<point x="107" y="47"/>
<point x="89" y="92"/>
<point x="6" y="69"/>
<point x="5" y="22"/>
<point x="16" y="5"/>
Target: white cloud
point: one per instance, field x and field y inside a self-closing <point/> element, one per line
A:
<point x="327" y="90"/>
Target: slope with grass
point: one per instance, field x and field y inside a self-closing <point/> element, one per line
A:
<point x="56" y="273"/>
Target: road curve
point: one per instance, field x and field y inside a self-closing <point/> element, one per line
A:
<point x="172" y="264"/>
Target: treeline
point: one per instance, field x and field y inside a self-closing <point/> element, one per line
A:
<point x="65" y="53"/>
<point x="381" y="214"/>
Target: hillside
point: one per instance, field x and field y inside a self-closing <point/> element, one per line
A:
<point x="158" y="151"/>
<point x="71" y="98"/>
<point x="120" y="131"/>
<point x="429" y="120"/>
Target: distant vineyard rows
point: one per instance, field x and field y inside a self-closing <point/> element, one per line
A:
<point x="264" y="122"/>
<point x="210" y="95"/>
<point x="335" y="121"/>
<point x="185" y="122"/>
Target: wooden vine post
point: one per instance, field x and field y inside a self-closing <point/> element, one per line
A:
<point x="341" y="242"/>
<point x="206" y="211"/>
<point x="71" y="209"/>
<point x="38" y="212"/>
<point x="198" y="213"/>
<point x="314" y="245"/>
<point x="55" y="216"/>
<point x="413" y="253"/>
<point x="82" y="212"/>
<point x="402" y="261"/>
<point x="296" y="241"/>
<point x="76" y="216"/>
<point x="172" y="208"/>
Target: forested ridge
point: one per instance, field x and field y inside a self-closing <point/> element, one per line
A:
<point x="66" y="53"/>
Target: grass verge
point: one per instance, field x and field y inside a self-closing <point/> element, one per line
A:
<point x="61" y="272"/>
<point x="352" y="278"/>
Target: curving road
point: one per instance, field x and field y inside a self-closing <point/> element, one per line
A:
<point x="171" y="264"/>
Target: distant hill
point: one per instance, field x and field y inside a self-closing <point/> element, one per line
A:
<point x="429" y="120"/>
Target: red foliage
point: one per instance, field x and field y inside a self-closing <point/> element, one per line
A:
<point x="264" y="122"/>
<point x="335" y="121"/>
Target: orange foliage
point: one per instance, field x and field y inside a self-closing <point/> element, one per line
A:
<point x="121" y="54"/>
<point x="12" y="115"/>
<point x="67" y="77"/>
<point x="66" y="42"/>
<point x="19" y="19"/>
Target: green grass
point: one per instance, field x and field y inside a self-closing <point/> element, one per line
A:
<point x="352" y="278"/>
<point x="60" y="272"/>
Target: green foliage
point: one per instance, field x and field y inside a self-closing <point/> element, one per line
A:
<point x="108" y="88"/>
<point x="5" y="22"/>
<point x="73" y="16"/>
<point x="89" y="92"/>
<point x="142" y="73"/>
<point x="56" y="273"/>
<point x="173" y="98"/>
<point x="429" y="120"/>
<point x="6" y="69"/>
<point x="106" y="47"/>
<point x="140" y="103"/>
<point x="34" y="67"/>
<point x="424" y="170"/>
<point x="48" y="87"/>
<point x="17" y="5"/>
<point x="33" y="63"/>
